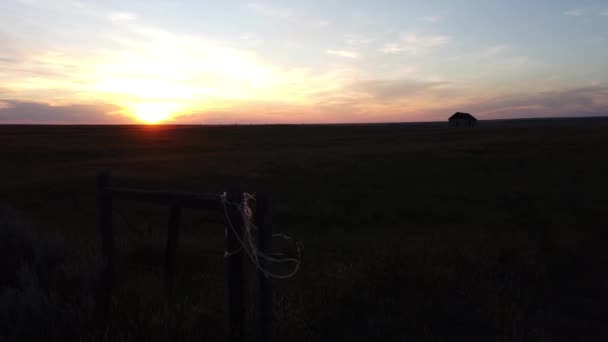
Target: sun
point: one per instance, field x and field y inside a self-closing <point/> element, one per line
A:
<point x="154" y="113"/>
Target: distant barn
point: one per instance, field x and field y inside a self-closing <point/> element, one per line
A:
<point x="462" y="119"/>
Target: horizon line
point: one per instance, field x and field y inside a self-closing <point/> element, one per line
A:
<point x="306" y="124"/>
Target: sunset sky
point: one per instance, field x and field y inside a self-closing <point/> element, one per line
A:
<point x="211" y="62"/>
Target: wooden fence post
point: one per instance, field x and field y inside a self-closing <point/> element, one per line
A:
<point x="171" y="249"/>
<point x="104" y="295"/>
<point x="264" y="239"/>
<point x="234" y="257"/>
<point x="234" y="268"/>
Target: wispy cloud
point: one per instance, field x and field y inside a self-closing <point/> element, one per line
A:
<point x="78" y="4"/>
<point x="251" y="38"/>
<point x="432" y="18"/>
<point x="270" y="11"/>
<point x="150" y="65"/>
<point x="343" y="53"/>
<point x="321" y="23"/>
<point x="48" y="74"/>
<point x="29" y="2"/>
<point x="575" y="12"/>
<point x="122" y="16"/>
<point x="357" y="40"/>
<point x="494" y="50"/>
<point x="235" y="77"/>
<point x="408" y="69"/>
<point x="394" y="89"/>
<point x="583" y="101"/>
<point x="8" y="60"/>
<point x="393" y="48"/>
<point x="414" y="43"/>
<point x="495" y="59"/>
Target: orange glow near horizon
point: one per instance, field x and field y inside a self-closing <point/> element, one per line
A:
<point x="154" y="113"/>
<point x="295" y="63"/>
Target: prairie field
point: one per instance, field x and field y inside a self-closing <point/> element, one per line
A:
<point x="407" y="232"/>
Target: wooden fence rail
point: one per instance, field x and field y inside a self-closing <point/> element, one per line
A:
<point x="234" y="262"/>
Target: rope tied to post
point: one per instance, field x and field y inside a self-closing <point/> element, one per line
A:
<point x="248" y="243"/>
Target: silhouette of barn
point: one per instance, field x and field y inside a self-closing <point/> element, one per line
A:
<point x="462" y="119"/>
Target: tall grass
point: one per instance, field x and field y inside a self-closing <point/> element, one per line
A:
<point x="414" y="233"/>
<point x="430" y="287"/>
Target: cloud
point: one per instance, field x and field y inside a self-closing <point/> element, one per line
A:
<point x="122" y="16"/>
<point x="8" y="60"/>
<point x="139" y="64"/>
<point x="604" y="14"/>
<point x="79" y="4"/>
<point x="4" y="104"/>
<point x="408" y="69"/>
<point x="357" y="40"/>
<point x="493" y="62"/>
<point x="414" y="42"/>
<point x="345" y="54"/>
<point x="432" y="18"/>
<point x="321" y="23"/>
<point x="28" y="112"/>
<point x="394" y="88"/>
<point x="47" y="75"/>
<point x="382" y="100"/>
<point x="251" y="39"/>
<point x="575" y="12"/>
<point x="393" y="48"/>
<point x="411" y="99"/>
<point x="149" y="64"/>
<point x="29" y="2"/>
<point x="13" y="50"/>
<point x="270" y="11"/>
<point x="494" y="49"/>
<point x="363" y="101"/>
<point x="172" y="3"/>
<point x="581" y="101"/>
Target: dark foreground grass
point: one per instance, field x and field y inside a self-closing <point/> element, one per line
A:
<point x="409" y="232"/>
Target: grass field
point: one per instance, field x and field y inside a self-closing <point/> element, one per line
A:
<point x="414" y="232"/>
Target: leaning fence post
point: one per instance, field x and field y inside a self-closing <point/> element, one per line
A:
<point x="171" y="250"/>
<point x="104" y="295"/>
<point x="234" y="267"/>
<point x="264" y="239"/>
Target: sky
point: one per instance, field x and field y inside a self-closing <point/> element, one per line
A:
<point x="226" y="62"/>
